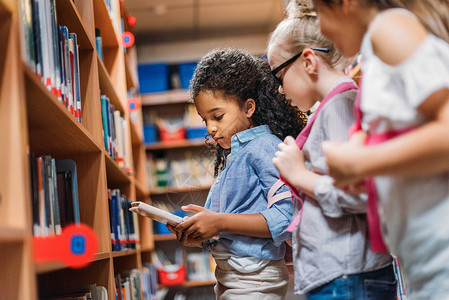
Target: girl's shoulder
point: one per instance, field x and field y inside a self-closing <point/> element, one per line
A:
<point x="395" y="35"/>
<point x="264" y="141"/>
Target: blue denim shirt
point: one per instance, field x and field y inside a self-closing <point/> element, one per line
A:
<point x="242" y="187"/>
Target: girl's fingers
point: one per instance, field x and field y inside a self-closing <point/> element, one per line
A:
<point x="193" y="208"/>
<point x="289" y="140"/>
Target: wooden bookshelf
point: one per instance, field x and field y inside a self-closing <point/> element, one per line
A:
<point x="169" y="190"/>
<point x="34" y="121"/>
<point x="166" y="98"/>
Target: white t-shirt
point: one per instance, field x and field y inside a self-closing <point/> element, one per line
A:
<point x="414" y="210"/>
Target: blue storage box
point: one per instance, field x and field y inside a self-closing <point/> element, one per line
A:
<point x="195" y="133"/>
<point x="150" y="133"/>
<point x="153" y="77"/>
<point x="185" y="71"/>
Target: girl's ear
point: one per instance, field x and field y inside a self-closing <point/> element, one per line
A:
<point x="310" y="61"/>
<point x="250" y="107"/>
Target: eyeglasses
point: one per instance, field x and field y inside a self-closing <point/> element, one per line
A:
<point x="291" y="60"/>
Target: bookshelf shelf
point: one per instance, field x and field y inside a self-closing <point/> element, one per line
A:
<point x="34" y="121"/>
<point x="107" y="87"/>
<point x="167" y="190"/>
<point x="141" y="190"/>
<point x="47" y="267"/>
<point x="164" y="237"/>
<point x="68" y="16"/>
<point x="49" y="121"/>
<point x="103" y="21"/>
<point x="136" y="134"/>
<point x="114" y="173"/>
<point x="8" y="234"/>
<point x="123" y="253"/>
<point x="166" y="98"/>
<point x="175" y="144"/>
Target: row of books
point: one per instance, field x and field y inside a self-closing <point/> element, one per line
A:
<point x="189" y="169"/>
<point x="116" y="134"/>
<point x="132" y="284"/>
<point x="123" y="223"/>
<point x="54" y="188"/>
<point x="200" y="266"/>
<point x="88" y="292"/>
<point x="51" y="51"/>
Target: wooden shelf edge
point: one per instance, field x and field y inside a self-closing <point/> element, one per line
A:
<point x="123" y="253"/>
<point x="114" y="173"/>
<point x="164" y="237"/>
<point x="52" y="266"/>
<point x="147" y="249"/>
<point x="130" y="80"/>
<point x="163" y="98"/>
<point x="165" y="190"/>
<point x="141" y="189"/>
<point x="136" y="134"/>
<point x="10" y="234"/>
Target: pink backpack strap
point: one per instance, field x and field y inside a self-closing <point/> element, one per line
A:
<point x="302" y="138"/>
<point x="272" y="198"/>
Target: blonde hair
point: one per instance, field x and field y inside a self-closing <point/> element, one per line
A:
<point x="301" y="29"/>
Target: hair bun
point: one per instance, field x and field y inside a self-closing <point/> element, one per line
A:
<point x="300" y="9"/>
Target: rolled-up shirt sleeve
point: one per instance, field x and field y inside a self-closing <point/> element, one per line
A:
<point x="335" y="202"/>
<point x="279" y="215"/>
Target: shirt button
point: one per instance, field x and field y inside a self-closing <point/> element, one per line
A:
<point x="235" y="138"/>
<point x="217" y="181"/>
<point x="345" y="277"/>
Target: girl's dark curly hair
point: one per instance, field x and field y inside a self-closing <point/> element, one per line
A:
<point x="236" y="75"/>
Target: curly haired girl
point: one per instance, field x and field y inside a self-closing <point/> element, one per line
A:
<point x="236" y="95"/>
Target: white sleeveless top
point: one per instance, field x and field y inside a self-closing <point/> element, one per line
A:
<point x="414" y="210"/>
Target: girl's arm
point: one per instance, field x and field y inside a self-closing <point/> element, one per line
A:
<point x="424" y="151"/>
<point x="206" y="224"/>
<point x="337" y="117"/>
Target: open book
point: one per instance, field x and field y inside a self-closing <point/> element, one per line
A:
<point x="155" y="213"/>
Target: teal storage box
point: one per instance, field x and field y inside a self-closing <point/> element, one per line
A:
<point x="185" y="71"/>
<point x="153" y="77"/>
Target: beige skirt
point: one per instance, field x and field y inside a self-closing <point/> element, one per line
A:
<point x="268" y="283"/>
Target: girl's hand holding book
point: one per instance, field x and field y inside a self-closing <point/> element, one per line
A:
<point x="202" y="226"/>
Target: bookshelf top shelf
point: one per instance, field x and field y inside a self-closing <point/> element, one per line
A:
<point x="164" y="98"/>
<point x="67" y="15"/>
<point x="104" y="23"/>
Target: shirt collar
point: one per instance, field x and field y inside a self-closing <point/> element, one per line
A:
<point x="241" y="138"/>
